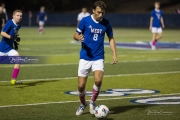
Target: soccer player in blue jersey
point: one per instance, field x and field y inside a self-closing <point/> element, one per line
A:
<point x="9" y="38"/>
<point x="91" y="32"/>
<point x="156" y="21"/>
<point x="41" y="18"/>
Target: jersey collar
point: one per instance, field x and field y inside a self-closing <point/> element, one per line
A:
<point x="156" y="10"/>
<point x="95" y="20"/>
<point x="14" y="22"/>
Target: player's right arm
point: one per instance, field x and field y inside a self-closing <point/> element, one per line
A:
<point x="78" y="36"/>
<point x="150" y="25"/>
<point x="151" y="20"/>
<point x="4" y="34"/>
<point x="78" y="19"/>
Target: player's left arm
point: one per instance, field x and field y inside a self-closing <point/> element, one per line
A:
<point x="162" y="22"/>
<point x="112" y="42"/>
<point x="113" y="48"/>
<point x="45" y="17"/>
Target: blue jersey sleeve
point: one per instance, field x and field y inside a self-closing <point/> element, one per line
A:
<point x="7" y="28"/>
<point x="152" y="14"/>
<point x="81" y="26"/>
<point x="109" y="30"/>
<point x="161" y="14"/>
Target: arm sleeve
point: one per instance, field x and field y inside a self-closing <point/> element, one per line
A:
<point x="6" y="28"/>
<point x="81" y="26"/>
<point x="152" y="14"/>
<point x="109" y="30"/>
<point x="161" y="14"/>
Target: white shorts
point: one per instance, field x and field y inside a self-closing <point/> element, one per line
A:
<point x="41" y="23"/>
<point x="156" y="30"/>
<point x="85" y="66"/>
<point x="10" y="53"/>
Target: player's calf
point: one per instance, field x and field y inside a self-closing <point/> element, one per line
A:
<point x="95" y="93"/>
<point x="82" y="106"/>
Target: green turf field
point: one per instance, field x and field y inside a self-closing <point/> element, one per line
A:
<point x="42" y="94"/>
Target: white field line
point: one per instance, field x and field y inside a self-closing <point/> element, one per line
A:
<point x="37" y="65"/>
<point x="68" y="78"/>
<point x="75" y="101"/>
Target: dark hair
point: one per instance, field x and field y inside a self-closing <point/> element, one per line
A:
<point x="100" y="4"/>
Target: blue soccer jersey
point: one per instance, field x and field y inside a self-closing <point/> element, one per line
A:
<point x="94" y="33"/>
<point x="10" y="28"/>
<point x="156" y="14"/>
<point x="41" y="16"/>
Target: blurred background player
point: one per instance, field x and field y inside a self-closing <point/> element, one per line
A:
<point x="156" y="21"/>
<point x="41" y="18"/>
<point x="4" y="10"/>
<point x="91" y="32"/>
<point x="2" y="18"/>
<point x="9" y="37"/>
<point x="81" y="15"/>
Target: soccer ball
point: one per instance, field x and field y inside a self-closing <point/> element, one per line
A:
<point x="101" y="111"/>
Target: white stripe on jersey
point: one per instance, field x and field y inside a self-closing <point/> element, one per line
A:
<point x="79" y="30"/>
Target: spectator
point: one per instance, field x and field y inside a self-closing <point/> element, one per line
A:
<point x="84" y="13"/>
<point x="4" y="10"/>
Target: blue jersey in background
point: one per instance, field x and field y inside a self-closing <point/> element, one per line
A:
<point x="94" y="33"/>
<point x="10" y="28"/>
<point x="156" y="14"/>
<point x="41" y="16"/>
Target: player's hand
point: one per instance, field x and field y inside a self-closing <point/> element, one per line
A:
<point x="115" y="60"/>
<point x="18" y="39"/>
<point x="16" y="45"/>
<point x="15" y="38"/>
<point x="81" y="37"/>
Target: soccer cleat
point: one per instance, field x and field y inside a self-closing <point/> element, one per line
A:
<point x="153" y="47"/>
<point x="80" y="110"/>
<point x="13" y="82"/>
<point x="92" y="106"/>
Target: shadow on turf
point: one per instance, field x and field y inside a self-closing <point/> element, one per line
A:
<point x="99" y="119"/>
<point x="122" y="109"/>
<point x="31" y="84"/>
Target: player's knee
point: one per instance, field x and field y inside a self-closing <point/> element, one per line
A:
<point x="81" y="88"/>
<point x="98" y="83"/>
<point x="160" y="35"/>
